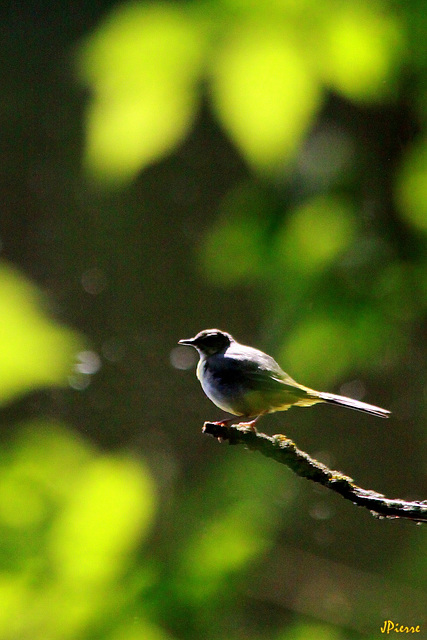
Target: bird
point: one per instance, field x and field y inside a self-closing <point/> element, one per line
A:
<point x="248" y="383"/>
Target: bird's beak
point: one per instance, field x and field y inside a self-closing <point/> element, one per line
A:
<point x="189" y="341"/>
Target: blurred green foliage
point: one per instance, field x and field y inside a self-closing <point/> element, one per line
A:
<point x="71" y="519"/>
<point x="256" y="165"/>
<point x="142" y="65"/>
<point x="411" y="186"/>
<point x="35" y="352"/>
<point x="267" y="65"/>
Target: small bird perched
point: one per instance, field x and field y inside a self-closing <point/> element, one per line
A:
<point x="247" y="382"/>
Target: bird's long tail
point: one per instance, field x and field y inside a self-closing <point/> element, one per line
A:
<point x="354" y="404"/>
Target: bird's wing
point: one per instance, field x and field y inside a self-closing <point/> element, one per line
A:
<point x="269" y="391"/>
<point x="267" y="380"/>
<point x="258" y="367"/>
<point x="259" y="373"/>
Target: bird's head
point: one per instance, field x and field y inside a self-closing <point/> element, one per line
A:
<point x="209" y="341"/>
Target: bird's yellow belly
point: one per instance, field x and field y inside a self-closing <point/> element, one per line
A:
<point x="254" y="403"/>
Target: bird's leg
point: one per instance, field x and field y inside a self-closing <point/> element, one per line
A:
<point x="223" y="423"/>
<point x="251" y="423"/>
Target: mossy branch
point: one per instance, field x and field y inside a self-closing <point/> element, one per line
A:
<point x="284" y="450"/>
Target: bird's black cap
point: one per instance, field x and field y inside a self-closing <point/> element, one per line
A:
<point x="209" y="341"/>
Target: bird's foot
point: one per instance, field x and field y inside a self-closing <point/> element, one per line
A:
<point x="249" y="425"/>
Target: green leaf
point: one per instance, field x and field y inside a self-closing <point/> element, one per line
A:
<point x="360" y="51"/>
<point x="34" y="350"/>
<point x="142" y="66"/>
<point x="110" y="509"/>
<point x="264" y="93"/>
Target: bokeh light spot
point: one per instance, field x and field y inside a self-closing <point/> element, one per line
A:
<point x="89" y="362"/>
<point x="316" y="234"/>
<point x="94" y="281"/>
<point x="183" y="358"/>
<point x="411" y="187"/>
